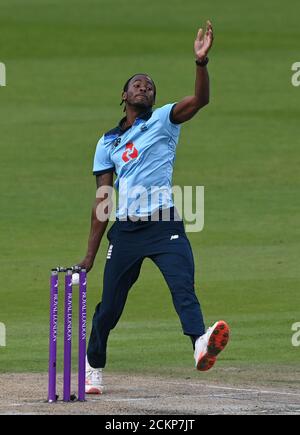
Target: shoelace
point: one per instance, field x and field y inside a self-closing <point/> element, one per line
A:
<point x="203" y="339"/>
<point x="96" y="375"/>
<point x="89" y="374"/>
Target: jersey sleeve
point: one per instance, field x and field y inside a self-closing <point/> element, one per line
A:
<point x="164" y="114"/>
<point x="102" y="159"/>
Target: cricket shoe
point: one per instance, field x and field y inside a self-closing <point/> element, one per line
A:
<point x="93" y="380"/>
<point x="209" y="345"/>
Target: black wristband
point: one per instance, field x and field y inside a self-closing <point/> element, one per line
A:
<point x="203" y="62"/>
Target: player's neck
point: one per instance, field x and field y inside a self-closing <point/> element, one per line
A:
<point x="133" y="112"/>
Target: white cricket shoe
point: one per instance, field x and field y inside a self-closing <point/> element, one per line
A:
<point x="93" y="380"/>
<point x="209" y="345"/>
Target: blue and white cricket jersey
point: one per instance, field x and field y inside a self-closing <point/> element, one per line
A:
<point x="143" y="158"/>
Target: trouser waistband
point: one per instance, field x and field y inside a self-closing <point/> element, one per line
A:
<point x="162" y="214"/>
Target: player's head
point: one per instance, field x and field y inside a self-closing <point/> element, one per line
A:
<point x="139" y="91"/>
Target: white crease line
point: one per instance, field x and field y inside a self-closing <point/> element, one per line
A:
<point x="244" y="390"/>
<point x="11" y="404"/>
<point x="162" y="397"/>
<point x="257" y="391"/>
<point x="140" y="399"/>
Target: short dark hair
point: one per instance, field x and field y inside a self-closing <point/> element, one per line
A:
<point x="125" y="87"/>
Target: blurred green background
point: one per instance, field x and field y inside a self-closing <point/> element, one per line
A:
<point x="66" y="64"/>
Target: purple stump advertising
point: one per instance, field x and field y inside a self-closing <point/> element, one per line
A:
<point x="53" y="336"/>
<point x="82" y="335"/>
<point x="68" y="336"/>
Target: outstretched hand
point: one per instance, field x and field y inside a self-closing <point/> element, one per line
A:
<point x="86" y="263"/>
<point x="203" y="42"/>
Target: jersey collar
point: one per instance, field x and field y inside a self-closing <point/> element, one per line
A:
<point x="142" y="117"/>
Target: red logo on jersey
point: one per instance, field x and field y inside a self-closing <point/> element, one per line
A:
<point x="130" y="153"/>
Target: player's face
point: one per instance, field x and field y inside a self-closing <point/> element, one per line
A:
<point x="140" y="92"/>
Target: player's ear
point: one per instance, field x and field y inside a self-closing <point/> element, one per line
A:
<point x="124" y="98"/>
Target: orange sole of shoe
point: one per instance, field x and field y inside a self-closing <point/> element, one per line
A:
<point x="217" y="342"/>
<point x="94" y="391"/>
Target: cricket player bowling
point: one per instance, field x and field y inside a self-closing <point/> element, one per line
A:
<point x="140" y="151"/>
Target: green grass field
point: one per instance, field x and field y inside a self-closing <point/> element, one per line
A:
<point x="66" y="64"/>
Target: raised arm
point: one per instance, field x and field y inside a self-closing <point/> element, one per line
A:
<point x="189" y="106"/>
<point x="98" y="226"/>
